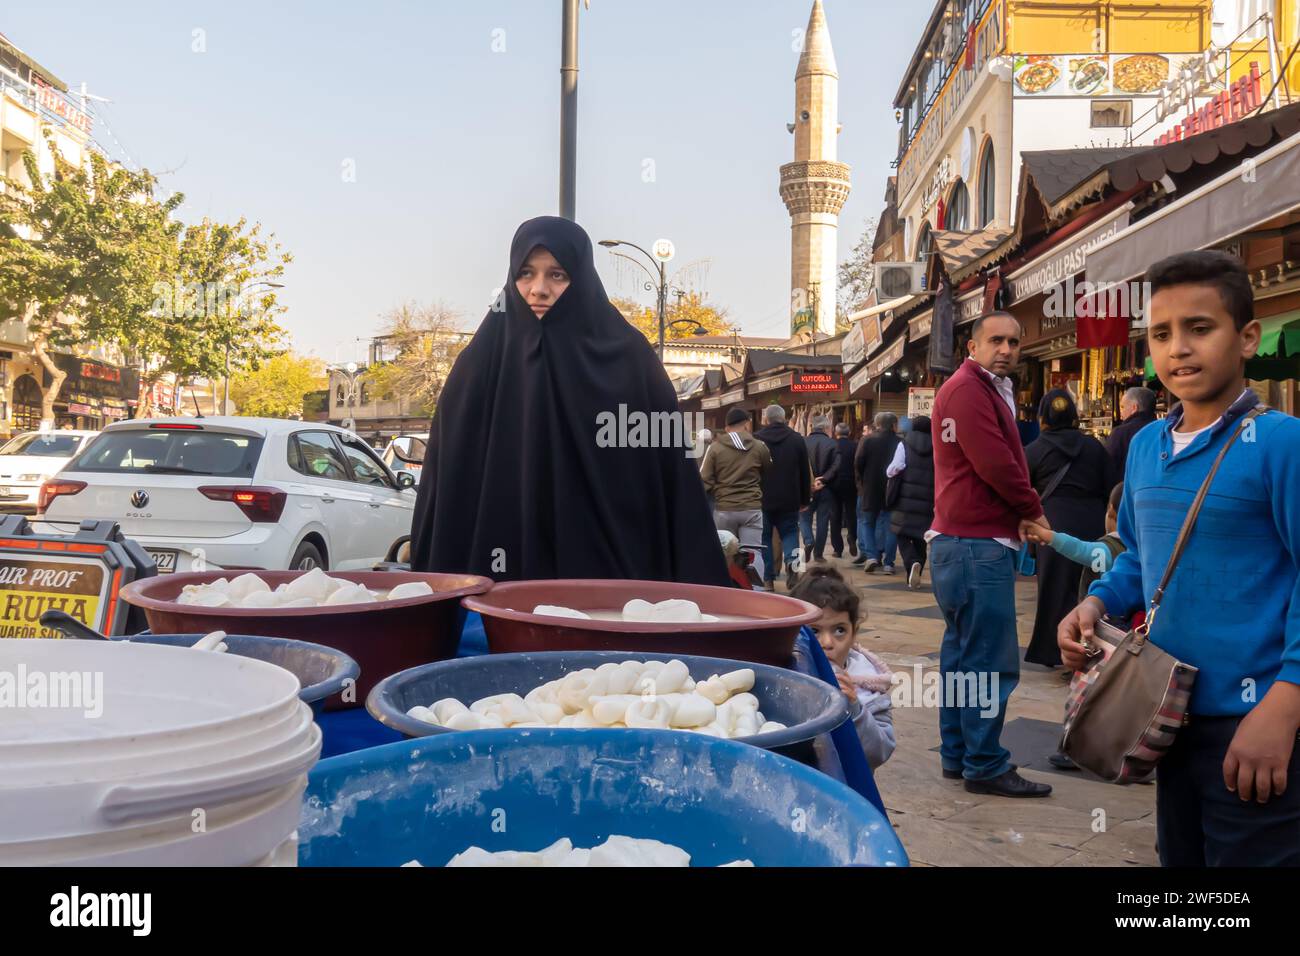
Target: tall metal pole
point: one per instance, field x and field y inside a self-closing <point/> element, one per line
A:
<point x="663" y="282"/>
<point x="569" y="111"/>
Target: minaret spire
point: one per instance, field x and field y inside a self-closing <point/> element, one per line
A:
<point x="815" y="186"/>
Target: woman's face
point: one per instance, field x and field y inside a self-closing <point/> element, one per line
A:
<point x="541" y="280"/>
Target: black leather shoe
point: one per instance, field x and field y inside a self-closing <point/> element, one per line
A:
<point x="952" y="775"/>
<point x="1062" y="761"/>
<point x="860" y="560"/>
<point x="1009" y="784"/>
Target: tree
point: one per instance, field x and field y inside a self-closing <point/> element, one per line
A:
<point x="217" y="313"/>
<point x="857" y="275"/>
<point x="80" y="252"/>
<point x="278" y="387"/>
<point x="425" y="341"/>
<point x="689" y="306"/>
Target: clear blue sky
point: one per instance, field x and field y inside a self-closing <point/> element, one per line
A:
<point x="455" y="144"/>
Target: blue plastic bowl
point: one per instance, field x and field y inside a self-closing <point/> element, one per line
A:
<point x="429" y="799"/>
<point x="321" y="670"/>
<point x="806" y="705"/>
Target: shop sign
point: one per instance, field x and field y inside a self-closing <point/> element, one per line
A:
<point x="817" y="382"/>
<point x="30" y="585"/>
<point x="861" y="340"/>
<point x="1048" y="270"/>
<point x="713" y="401"/>
<point x="970" y="306"/>
<point x="942" y="177"/>
<point x="104" y="373"/>
<point x="1236" y="103"/>
<point x="888" y="358"/>
<point x="54" y="101"/>
<point x="733" y="396"/>
<point x="769" y="384"/>
<point x="919" y="326"/>
<point x="920" y="401"/>
<point x="114" y="412"/>
<point x="1192" y="78"/>
<point x="858" y="381"/>
<point x="76" y="408"/>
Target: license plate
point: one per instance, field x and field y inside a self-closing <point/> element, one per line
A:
<point x="166" y="561"/>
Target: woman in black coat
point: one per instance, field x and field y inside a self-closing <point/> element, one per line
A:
<point x="1073" y="474"/>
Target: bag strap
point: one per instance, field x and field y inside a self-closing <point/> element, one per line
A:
<point x="1056" y="481"/>
<point x="1190" y="521"/>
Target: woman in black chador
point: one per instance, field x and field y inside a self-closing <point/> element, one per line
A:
<point x="530" y="471"/>
<point x="1073" y="474"/>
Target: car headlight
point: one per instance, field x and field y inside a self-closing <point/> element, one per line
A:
<point x="34" y="477"/>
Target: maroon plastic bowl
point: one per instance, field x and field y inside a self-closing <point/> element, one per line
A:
<point x="382" y="638"/>
<point x="766" y="638"/>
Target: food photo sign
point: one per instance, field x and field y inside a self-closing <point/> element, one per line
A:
<point x="1043" y="76"/>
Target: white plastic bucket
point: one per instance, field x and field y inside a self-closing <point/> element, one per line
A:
<point x="194" y="758"/>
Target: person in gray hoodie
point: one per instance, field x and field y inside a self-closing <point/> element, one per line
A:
<point x="732" y="472"/>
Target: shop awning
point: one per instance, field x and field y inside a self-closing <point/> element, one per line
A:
<point x="1235" y="202"/>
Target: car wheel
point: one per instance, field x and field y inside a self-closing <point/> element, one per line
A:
<point x="307" y="556"/>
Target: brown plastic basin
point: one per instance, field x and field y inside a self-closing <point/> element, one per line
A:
<point x="383" y="638"/>
<point x="767" y="637"/>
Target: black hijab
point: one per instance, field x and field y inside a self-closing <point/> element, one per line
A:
<point x="515" y="485"/>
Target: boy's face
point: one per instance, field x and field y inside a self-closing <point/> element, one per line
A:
<point x="835" y="634"/>
<point x="1197" y="351"/>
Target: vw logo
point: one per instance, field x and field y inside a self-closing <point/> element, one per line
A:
<point x="140" y="499"/>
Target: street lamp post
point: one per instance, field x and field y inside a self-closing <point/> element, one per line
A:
<point x="659" y="259"/>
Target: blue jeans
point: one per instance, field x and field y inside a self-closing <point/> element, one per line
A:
<point x="787" y="526"/>
<point x="820" y="509"/>
<point x="876" y="539"/>
<point x="974" y="585"/>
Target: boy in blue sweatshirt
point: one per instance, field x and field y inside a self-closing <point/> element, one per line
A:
<point x="1232" y="608"/>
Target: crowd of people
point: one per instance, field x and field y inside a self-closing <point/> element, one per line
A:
<point x="1096" y="524"/>
<point x="540" y="497"/>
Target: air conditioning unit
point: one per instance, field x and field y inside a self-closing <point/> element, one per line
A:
<point x="897" y="279"/>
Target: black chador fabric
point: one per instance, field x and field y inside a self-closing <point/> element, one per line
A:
<point x="516" y="484"/>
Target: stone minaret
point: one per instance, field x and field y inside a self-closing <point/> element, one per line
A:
<point x="815" y="186"/>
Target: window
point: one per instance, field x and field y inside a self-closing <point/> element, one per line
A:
<point x="366" y="468"/>
<point x="988" y="186"/>
<point x="340" y="396"/>
<point x="164" y="451"/>
<point x="1112" y="114"/>
<point x="923" y="244"/>
<point x="46" y="445"/>
<point x="957" y="215"/>
<point x="317" y="456"/>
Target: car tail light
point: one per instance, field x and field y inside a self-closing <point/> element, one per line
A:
<point x="259" y="504"/>
<point x="179" y="428"/>
<point x="55" y="487"/>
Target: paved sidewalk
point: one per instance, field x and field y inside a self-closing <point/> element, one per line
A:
<point x="1085" y="822"/>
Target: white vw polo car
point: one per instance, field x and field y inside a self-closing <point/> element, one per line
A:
<point x="232" y="492"/>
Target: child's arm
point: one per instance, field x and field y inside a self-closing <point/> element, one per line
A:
<point x="1121" y="589"/>
<point x="875" y="727"/>
<point x="1091" y="554"/>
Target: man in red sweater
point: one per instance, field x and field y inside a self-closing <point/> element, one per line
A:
<point x="982" y="503"/>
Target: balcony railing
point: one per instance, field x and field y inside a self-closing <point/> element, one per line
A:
<point x="38" y="98"/>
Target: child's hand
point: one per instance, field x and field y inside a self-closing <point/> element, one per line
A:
<point x="1038" y="534"/>
<point x="846" y="685"/>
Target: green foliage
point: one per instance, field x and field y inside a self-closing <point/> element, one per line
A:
<point x="425" y="342"/>
<point x="278" y="387"/>
<point x="857" y="274"/>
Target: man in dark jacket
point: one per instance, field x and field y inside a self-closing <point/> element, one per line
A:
<point x="1138" y="410"/>
<point x="787" y="488"/>
<point x="876" y="542"/>
<point x="844" y="496"/>
<point x="913" y="512"/>
<point x="824" y="460"/>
